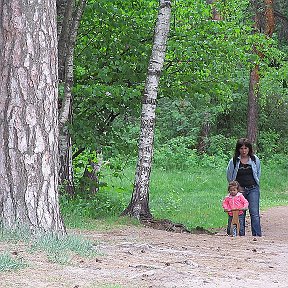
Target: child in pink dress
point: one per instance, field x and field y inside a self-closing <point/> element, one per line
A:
<point x="235" y="201"/>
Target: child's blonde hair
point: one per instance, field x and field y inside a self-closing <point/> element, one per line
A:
<point x="234" y="184"/>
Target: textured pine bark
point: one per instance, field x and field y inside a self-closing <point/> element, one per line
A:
<point x="28" y="116"/>
<point x="269" y="16"/>
<point x="269" y="23"/>
<point x="252" y="125"/>
<point x="139" y="205"/>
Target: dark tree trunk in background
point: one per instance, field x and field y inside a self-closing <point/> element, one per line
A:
<point x="204" y="133"/>
<point x="215" y="13"/>
<point x="252" y="117"/>
<point x="91" y="174"/>
<point x="266" y="24"/>
<point x="28" y="116"/>
<point x="139" y="204"/>
<point x="281" y="18"/>
<point x="269" y="18"/>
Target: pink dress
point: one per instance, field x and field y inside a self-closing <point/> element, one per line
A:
<point x="235" y="202"/>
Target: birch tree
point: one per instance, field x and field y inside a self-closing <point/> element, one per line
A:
<point x="28" y="116"/>
<point x="70" y="14"/>
<point x="139" y="204"/>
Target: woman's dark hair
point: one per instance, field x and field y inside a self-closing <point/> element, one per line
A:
<point x="239" y="144"/>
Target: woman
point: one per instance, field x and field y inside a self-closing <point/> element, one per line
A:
<point x="245" y="168"/>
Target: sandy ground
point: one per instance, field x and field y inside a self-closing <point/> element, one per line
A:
<point x="144" y="257"/>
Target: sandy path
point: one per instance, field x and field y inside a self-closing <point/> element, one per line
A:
<point x="143" y="257"/>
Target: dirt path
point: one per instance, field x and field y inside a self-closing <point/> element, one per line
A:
<point x="142" y="257"/>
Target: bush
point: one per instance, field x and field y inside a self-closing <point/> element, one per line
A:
<point x="176" y="154"/>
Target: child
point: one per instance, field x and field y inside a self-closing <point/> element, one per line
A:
<point x="235" y="201"/>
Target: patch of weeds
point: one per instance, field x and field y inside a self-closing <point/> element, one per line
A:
<point x="15" y="235"/>
<point x="8" y="263"/>
<point x="127" y="221"/>
<point x="60" y="249"/>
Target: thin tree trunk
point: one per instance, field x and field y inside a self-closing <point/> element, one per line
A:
<point x="139" y="204"/>
<point x="92" y="171"/>
<point x="66" y="43"/>
<point x="28" y="116"/>
<point x="65" y="12"/>
<point x="204" y="134"/>
<point x="69" y="63"/>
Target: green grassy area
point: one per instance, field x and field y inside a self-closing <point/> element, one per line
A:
<point x="192" y="197"/>
<point x="58" y="248"/>
<point x="10" y="263"/>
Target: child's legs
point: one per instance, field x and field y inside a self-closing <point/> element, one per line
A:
<point x="229" y="225"/>
<point x="242" y="224"/>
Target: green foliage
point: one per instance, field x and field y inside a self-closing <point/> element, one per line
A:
<point x="110" y="200"/>
<point x="220" y="146"/>
<point x="10" y="263"/>
<point x="112" y="51"/>
<point x="206" y="73"/>
<point x="175" y="154"/>
<point x="268" y="144"/>
<point x="91" y="206"/>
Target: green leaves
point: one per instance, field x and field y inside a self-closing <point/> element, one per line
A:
<point x="206" y="70"/>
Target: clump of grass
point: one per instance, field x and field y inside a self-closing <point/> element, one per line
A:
<point x="15" y="235"/>
<point x="60" y="249"/>
<point x="9" y="263"/>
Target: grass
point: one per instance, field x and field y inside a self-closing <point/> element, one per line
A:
<point x="192" y="197"/>
<point x="58" y="248"/>
<point x="9" y="263"/>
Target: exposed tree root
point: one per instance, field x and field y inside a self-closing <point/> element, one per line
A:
<point x="168" y="225"/>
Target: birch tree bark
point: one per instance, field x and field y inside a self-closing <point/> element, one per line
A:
<point x="139" y="204"/>
<point x="67" y="39"/>
<point x="28" y="116"/>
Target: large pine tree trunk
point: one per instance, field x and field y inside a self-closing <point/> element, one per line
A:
<point x="139" y="204"/>
<point x="252" y="119"/>
<point x="268" y="21"/>
<point x="28" y="116"/>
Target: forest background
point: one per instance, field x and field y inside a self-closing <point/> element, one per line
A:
<point x="202" y="107"/>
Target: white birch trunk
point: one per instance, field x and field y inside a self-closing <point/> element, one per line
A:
<point x="66" y="46"/>
<point x="28" y="116"/>
<point x="139" y="205"/>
